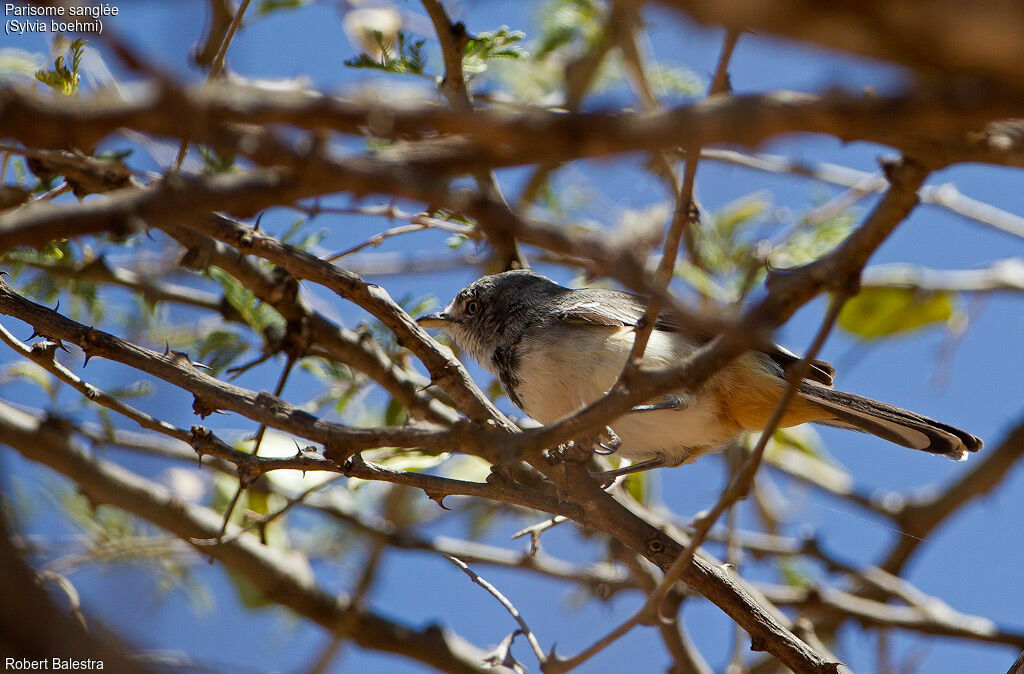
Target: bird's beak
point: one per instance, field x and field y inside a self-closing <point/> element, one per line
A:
<point x="438" y="319"/>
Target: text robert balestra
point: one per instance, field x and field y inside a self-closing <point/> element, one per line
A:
<point x="51" y="664"/>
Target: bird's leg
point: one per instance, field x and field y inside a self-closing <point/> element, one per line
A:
<point x="607" y="477"/>
<point x="673" y="401"/>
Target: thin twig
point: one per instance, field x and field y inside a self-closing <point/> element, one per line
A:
<point x="216" y="67"/>
<point x="44" y="354"/>
<point x="263" y="521"/>
<point x="419" y="223"/>
<point x="540" y="527"/>
<point x="257" y="443"/>
<point x="513" y="611"/>
<point x="684" y="217"/>
<point x="453" y="39"/>
<point x="945" y="196"/>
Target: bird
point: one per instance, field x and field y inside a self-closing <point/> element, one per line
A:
<point x="557" y="349"/>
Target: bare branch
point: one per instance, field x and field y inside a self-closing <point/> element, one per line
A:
<point x="929" y="37"/>
<point x="324" y="338"/>
<point x="686" y="215"/>
<point x="513" y="611"/>
<point x="44" y="354"/>
<point x="945" y="196"/>
<point x="940" y="622"/>
<point x="1001" y="276"/>
<point x="453" y="38"/>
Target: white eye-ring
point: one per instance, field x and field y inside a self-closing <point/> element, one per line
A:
<point x="472" y="307"/>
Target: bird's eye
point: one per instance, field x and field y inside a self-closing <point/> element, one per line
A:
<point x="472" y="307"/>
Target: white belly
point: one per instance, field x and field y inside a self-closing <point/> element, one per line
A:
<point x="557" y="380"/>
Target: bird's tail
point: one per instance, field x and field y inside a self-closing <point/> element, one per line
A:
<point x="890" y="423"/>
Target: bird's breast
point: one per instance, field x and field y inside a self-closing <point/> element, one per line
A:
<point x="572" y="366"/>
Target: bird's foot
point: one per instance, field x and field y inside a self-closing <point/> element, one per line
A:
<point x="567" y="451"/>
<point x="580" y="450"/>
<point x="608" y="442"/>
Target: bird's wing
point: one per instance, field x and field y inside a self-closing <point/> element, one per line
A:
<point x="614" y="308"/>
<point x="601" y="307"/>
<point x="820" y="371"/>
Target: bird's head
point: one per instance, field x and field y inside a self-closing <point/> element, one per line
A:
<point x="492" y="310"/>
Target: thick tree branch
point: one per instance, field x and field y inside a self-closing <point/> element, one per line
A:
<point x="927" y="123"/>
<point x="937" y="38"/>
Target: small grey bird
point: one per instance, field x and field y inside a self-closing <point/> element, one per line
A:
<point x="556" y="350"/>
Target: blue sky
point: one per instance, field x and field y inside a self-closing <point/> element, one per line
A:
<point x="973" y="562"/>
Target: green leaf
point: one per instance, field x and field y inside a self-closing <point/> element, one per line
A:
<point x="394" y="414"/>
<point x="452" y="216"/>
<point x="18" y="62"/>
<point x="220" y="348"/>
<point x="270" y="6"/>
<point x="248" y="594"/>
<point x="637" y="487"/>
<point x="499" y="44"/>
<point x="413" y="461"/>
<point x="135" y="390"/>
<point x="214" y="162"/>
<point x="883" y="312"/>
<point x="794" y="572"/>
<point x="494" y="390"/>
<point x="701" y="281"/>
<point x="402" y="57"/>
<point x="62" y="78"/>
<point x="675" y="81"/>
<point x="466" y="467"/>
<point x="30" y="372"/>
<point x="254" y="312"/>
<point x="455" y="241"/>
<point x="298" y="236"/>
<point x="809" y="242"/>
<point x="564" y="22"/>
<point x="739" y="214"/>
